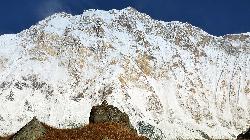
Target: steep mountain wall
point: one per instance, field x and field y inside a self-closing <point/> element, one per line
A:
<point x="171" y="76"/>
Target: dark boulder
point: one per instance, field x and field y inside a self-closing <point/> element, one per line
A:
<point x="244" y="136"/>
<point x="108" y="113"/>
<point x="31" y="131"/>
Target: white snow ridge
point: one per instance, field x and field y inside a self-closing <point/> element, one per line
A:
<point x="171" y="77"/>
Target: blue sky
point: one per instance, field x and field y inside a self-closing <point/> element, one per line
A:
<point x="217" y="17"/>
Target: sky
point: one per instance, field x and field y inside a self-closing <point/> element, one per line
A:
<point x="217" y="17"/>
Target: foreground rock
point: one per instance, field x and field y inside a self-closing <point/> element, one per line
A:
<point x="32" y="131"/>
<point x="245" y="135"/>
<point x="108" y="113"/>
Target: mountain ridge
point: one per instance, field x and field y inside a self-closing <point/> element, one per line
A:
<point x="186" y="79"/>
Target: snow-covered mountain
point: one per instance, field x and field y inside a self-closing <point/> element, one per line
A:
<point x="170" y="77"/>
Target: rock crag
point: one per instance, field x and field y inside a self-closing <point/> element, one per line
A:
<point x="108" y="113"/>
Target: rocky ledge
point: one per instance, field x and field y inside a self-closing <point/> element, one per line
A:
<point x="106" y="122"/>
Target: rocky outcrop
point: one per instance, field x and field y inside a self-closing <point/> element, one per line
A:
<point x="32" y="131"/>
<point x="244" y="136"/>
<point x="108" y="113"/>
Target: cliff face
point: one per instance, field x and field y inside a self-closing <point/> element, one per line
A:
<point x="170" y="76"/>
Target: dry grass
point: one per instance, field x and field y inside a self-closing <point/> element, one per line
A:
<point x="98" y="131"/>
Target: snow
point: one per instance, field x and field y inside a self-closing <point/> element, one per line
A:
<point x="193" y="39"/>
<point x="57" y="25"/>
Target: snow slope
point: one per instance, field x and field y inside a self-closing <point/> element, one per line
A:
<point x="169" y="75"/>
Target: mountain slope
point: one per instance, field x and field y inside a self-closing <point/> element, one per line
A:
<point x="171" y="76"/>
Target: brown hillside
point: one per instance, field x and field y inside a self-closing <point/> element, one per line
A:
<point x="99" y="131"/>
